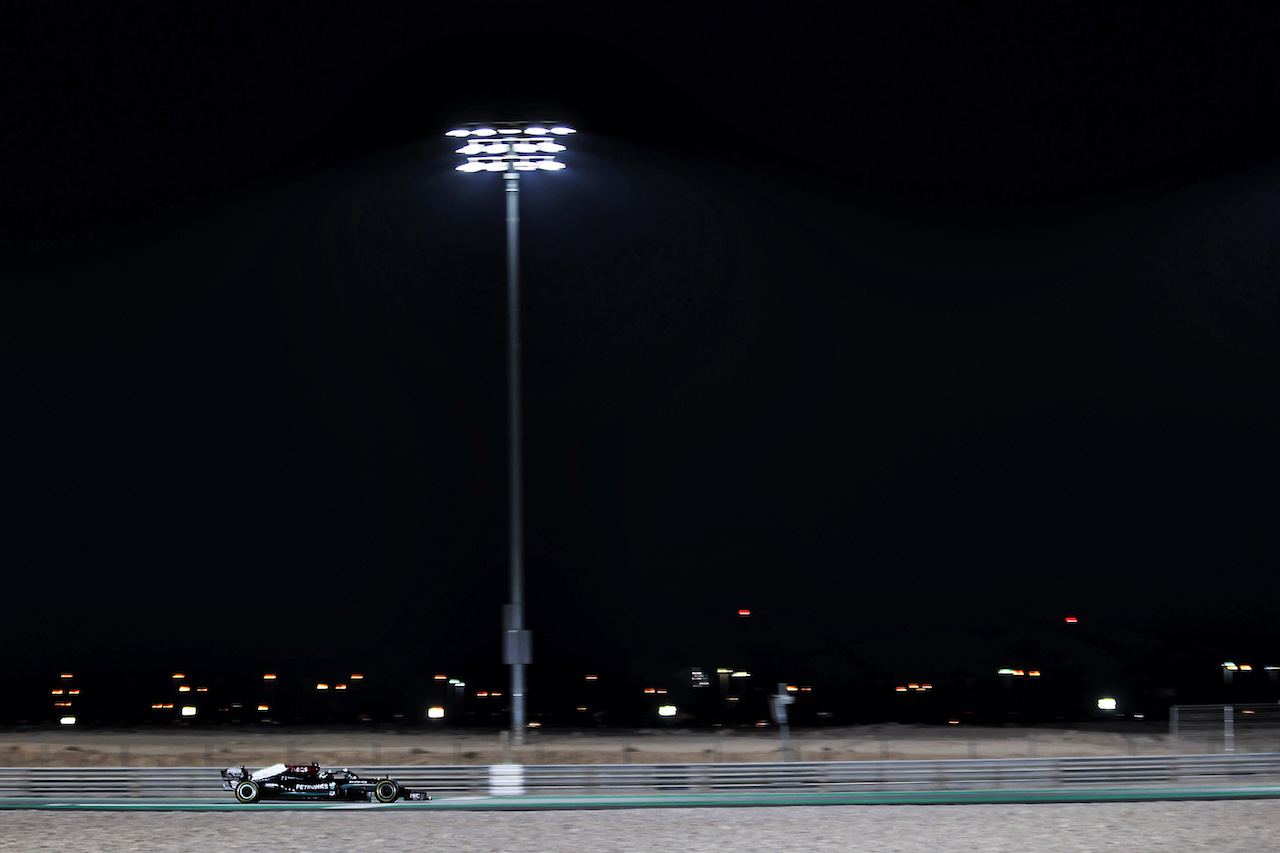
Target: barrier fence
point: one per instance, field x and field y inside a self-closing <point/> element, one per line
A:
<point x="834" y="776"/>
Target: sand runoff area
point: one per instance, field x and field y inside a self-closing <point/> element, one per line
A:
<point x="223" y="746"/>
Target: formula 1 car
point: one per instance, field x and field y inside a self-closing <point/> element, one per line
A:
<point x="310" y="782"/>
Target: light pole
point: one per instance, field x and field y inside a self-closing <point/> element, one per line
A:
<point x="511" y="148"/>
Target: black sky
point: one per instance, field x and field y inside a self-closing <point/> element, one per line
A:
<point x="923" y="324"/>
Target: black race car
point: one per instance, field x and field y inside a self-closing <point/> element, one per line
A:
<point x="310" y="782"/>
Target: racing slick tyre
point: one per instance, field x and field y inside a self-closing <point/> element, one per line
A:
<point x="386" y="791"/>
<point x="248" y="791"/>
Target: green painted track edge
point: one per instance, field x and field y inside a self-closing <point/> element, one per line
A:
<point x="542" y="803"/>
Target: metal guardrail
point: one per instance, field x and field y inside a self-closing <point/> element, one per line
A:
<point x="833" y="776"/>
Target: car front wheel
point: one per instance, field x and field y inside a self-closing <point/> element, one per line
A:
<point x="248" y="791"/>
<point x="386" y="791"/>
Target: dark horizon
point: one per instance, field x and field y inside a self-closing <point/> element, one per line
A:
<point x="913" y="338"/>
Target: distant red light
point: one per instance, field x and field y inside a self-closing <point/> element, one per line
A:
<point x="744" y="612"/>
<point x="1072" y="619"/>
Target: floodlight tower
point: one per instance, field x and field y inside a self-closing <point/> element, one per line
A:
<point x="511" y="148"/>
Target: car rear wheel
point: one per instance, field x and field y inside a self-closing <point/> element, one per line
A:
<point x="248" y="791"/>
<point x="386" y="791"/>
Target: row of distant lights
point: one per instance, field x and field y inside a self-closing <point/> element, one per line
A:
<point x="1244" y="667"/>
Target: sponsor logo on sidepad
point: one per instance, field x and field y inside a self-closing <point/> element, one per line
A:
<point x="324" y="786"/>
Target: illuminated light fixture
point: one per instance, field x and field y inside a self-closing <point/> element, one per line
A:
<point x="441" y="677"/>
<point x="270" y="676"/>
<point x="534" y="725"/>
<point x="1007" y="672"/>
<point x="519" y="147"/>
<point x="791" y="688"/>
<point x="435" y="712"/>
<point x="1244" y="667"/>
<point x="495" y="693"/>
<point x="1106" y="703"/>
<point x="651" y="690"/>
<point x="355" y="676"/>
<point x="455" y="681"/>
<point x="341" y="687"/>
<point x="1229" y="665"/>
<point x="66" y="675"/>
<point x="806" y="689"/>
<point x="178" y="675"/>
<point x="68" y="721"/>
<point x="482" y="695"/>
<point x="1270" y="668"/>
<point x="57" y="692"/>
<point x="202" y="689"/>
<point x="741" y="674"/>
<point x="188" y="710"/>
<point x="1035" y="673"/>
<point x="722" y="671"/>
<point x="914" y="686"/>
<point x="666" y="710"/>
<point x="744" y="612"/>
<point x="322" y="686"/>
<point x="954" y="722"/>
<point x="62" y="704"/>
<point x="1072" y="619"/>
<point x="900" y="689"/>
<point x="73" y="692"/>
<point x="592" y="677"/>
<point x="184" y="688"/>
<point x="732" y="699"/>
<point x="582" y="707"/>
<point x="156" y="706"/>
<point x="168" y="706"/>
<point x="264" y="707"/>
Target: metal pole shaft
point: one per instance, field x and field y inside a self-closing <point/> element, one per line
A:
<point x="516" y="610"/>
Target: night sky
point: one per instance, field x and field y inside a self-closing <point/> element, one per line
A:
<point x="912" y="330"/>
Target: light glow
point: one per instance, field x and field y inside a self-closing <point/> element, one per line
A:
<point x="188" y="710"/>
<point x="666" y="710"/>
<point x="270" y="676"/>
<point x="1106" y="703"/>
<point x="435" y="712"/>
<point x="68" y="721"/>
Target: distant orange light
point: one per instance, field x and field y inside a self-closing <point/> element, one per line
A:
<point x="582" y="707"/>
<point x="355" y="676"/>
<point x="806" y="689"/>
<point x="341" y="687"/>
<point x="74" y="692"/>
<point x="592" y="677"/>
<point x="1034" y="673"/>
<point x="270" y="676"/>
<point x="495" y="693"/>
<point x="791" y="688"/>
<point x="66" y="675"/>
<point x="744" y="612"/>
<point x="441" y="677"/>
<point x="322" y="687"/>
<point x="264" y="707"/>
<point x="202" y="689"/>
<point x="157" y="706"/>
<point x="178" y="675"/>
<point x="62" y="704"/>
<point x="900" y="689"/>
<point x="1072" y="619"/>
<point x="914" y="686"/>
<point x="183" y="688"/>
<point x="56" y="692"/>
<point x="651" y="690"/>
<point x="482" y="695"/>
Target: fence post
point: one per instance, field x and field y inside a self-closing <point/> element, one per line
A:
<point x="1229" y="728"/>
